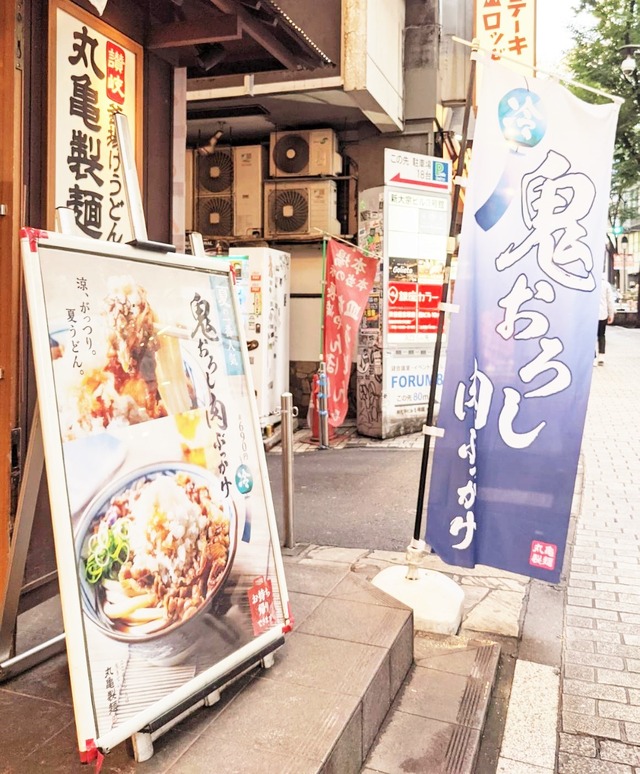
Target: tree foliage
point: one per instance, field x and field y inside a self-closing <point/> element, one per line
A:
<point x="595" y="61"/>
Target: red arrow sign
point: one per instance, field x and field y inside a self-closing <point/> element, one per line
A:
<point x="397" y="179"/>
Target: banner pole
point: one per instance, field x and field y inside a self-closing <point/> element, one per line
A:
<point x="324" y="287"/>
<point x="417" y="530"/>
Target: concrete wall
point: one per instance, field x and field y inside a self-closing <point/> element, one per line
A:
<point x="373" y="59"/>
<point x="421" y="43"/>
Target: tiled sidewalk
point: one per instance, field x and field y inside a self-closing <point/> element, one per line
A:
<point x="600" y="720"/>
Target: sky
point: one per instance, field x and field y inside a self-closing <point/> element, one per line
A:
<point x="553" y="34"/>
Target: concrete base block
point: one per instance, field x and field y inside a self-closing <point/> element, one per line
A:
<point x="436" y="600"/>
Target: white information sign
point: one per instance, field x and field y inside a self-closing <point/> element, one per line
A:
<point x="417" y="171"/>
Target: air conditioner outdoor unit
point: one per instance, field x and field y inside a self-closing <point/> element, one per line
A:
<point x="215" y="172"/>
<point x="213" y="211"/>
<point x="229" y="192"/>
<point x="297" y="208"/>
<point x="304" y="153"/>
<point x="248" y="171"/>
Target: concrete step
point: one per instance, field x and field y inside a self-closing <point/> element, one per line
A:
<point x="435" y="723"/>
<point x="352" y="687"/>
<point x="321" y="705"/>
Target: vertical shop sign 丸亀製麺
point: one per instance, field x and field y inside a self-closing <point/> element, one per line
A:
<point x="96" y="73"/>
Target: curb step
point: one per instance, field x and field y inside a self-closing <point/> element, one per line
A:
<point x="435" y="723"/>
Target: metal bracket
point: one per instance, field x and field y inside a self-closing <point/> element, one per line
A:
<point x="19" y="49"/>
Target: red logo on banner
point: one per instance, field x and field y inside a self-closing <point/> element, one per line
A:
<point x="349" y="279"/>
<point x="263" y="609"/>
<point x="115" y="73"/>
<point x="543" y="555"/>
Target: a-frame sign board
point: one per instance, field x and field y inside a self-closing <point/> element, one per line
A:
<point x="166" y="544"/>
<point x="168" y="557"/>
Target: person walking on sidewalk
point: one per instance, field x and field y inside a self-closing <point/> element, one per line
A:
<point x="606" y="315"/>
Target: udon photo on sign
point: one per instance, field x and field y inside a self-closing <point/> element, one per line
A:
<point x="161" y="497"/>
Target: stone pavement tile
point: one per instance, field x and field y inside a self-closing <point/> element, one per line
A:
<point x="49" y="681"/>
<point x="617" y="677"/>
<point x="578" y="672"/>
<point x="444" y="696"/>
<point x="302" y="605"/>
<point x="578" y="745"/>
<point x="530" y="728"/>
<point x="60" y="756"/>
<point x="580" y="621"/>
<point x="582" y="584"/>
<point x="507" y="766"/>
<point x="583" y="646"/>
<point x="358" y="664"/>
<point x="619" y="753"/>
<point x="594" y="659"/>
<point x="473" y="595"/>
<point x="583" y="705"/>
<point x="457" y="655"/>
<point x="617" y="711"/>
<point x="586" y="611"/>
<point x="611" y="649"/>
<point x="332" y="554"/>
<point x="574" y="633"/>
<point x="353" y="587"/>
<point x="499" y="612"/>
<point x="310" y="576"/>
<point x="573" y="723"/>
<point x="45" y="719"/>
<point x="306" y="723"/>
<point x="574" y="764"/>
<point x="410" y="744"/>
<point x="222" y="754"/>
<point x="594" y="690"/>
<point x="498" y="582"/>
<point x="355" y="621"/>
<point x="632" y="733"/>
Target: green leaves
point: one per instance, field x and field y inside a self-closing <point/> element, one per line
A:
<point x="595" y="60"/>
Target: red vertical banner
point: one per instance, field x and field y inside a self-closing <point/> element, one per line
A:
<point x="349" y="280"/>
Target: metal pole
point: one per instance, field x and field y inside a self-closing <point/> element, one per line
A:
<point x="417" y="530"/>
<point x="323" y="414"/>
<point x="286" y="427"/>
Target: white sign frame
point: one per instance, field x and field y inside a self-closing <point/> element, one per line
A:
<point x="42" y="286"/>
<point x="91" y="44"/>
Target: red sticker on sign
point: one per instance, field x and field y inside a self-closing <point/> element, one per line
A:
<point x="263" y="609"/>
<point x="543" y="555"/>
<point x="115" y="73"/>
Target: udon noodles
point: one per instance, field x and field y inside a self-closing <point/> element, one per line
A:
<point x="157" y="553"/>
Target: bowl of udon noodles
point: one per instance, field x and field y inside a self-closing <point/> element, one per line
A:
<point x="154" y="548"/>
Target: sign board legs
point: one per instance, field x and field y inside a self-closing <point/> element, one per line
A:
<point x="11" y="664"/>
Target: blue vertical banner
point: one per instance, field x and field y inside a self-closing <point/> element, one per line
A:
<point x="520" y="350"/>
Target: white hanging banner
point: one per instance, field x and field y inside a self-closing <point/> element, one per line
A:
<point x="520" y="353"/>
<point x="99" y="5"/>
